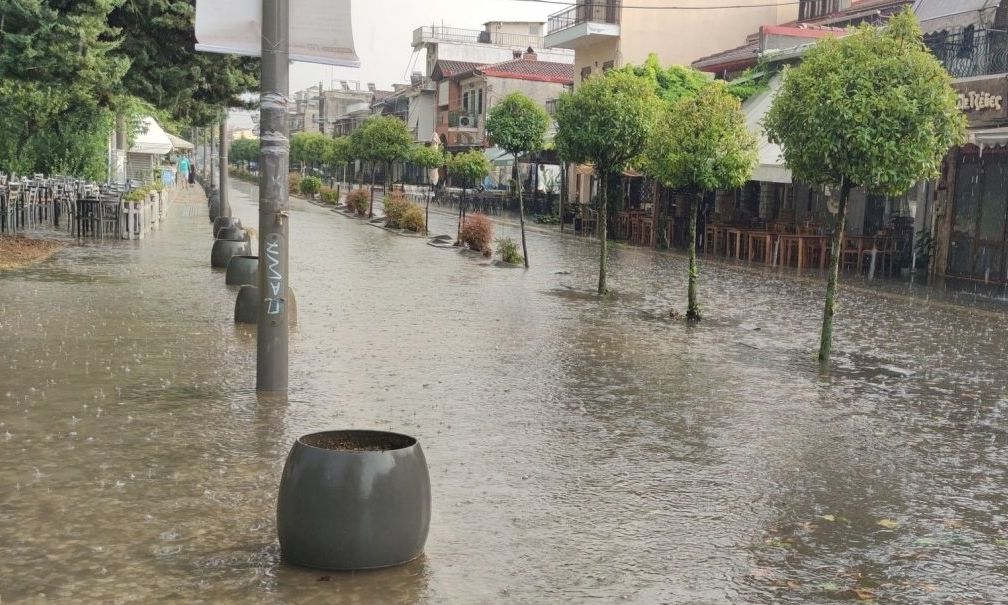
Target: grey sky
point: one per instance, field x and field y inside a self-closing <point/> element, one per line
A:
<point x="383" y="37"/>
<point x="383" y="34"/>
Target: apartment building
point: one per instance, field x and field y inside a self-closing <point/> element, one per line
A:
<point x="605" y="34"/>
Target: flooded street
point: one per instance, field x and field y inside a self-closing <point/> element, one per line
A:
<point x="580" y="450"/>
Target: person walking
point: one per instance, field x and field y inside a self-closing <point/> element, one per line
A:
<point x="183" y="168"/>
<point x="192" y="173"/>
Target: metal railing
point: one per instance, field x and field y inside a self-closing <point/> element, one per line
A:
<point x="969" y="53"/>
<point x="594" y="11"/>
<point x="436" y="33"/>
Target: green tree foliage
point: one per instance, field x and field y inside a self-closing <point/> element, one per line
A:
<point x="468" y="167"/>
<point x="670" y="83"/>
<point x="92" y="56"/>
<point x="517" y="125"/>
<point x="606" y="122"/>
<point x="677" y="81"/>
<point x="873" y="110"/>
<point x="427" y="158"/>
<point x="309" y="148"/>
<point x="52" y="130"/>
<point x="382" y="140"/>
<point x="385" y="139"/>
<point x="159" y="38"/>
<point x="63" y="43"/>
<point x="244" y="151"/>
<point x="700" y="143"/>
<point x="336" y="152"/>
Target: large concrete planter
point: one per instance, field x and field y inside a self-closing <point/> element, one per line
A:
<point x="225" y="222"/>
<point x="242" y="271"/>
<point x="235" y="234"/>
<point x="353" y="500"/>
<point x="247" y="306"/>
<point x="223" y="250"/>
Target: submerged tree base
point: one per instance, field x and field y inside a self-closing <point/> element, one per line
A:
<point x="17" y="251"/>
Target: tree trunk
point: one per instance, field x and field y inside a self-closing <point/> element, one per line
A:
<point x="521" y="208"/>
<point x="693" y="308"/>
<point x="826" y="339"/>
<point x="600" y="225"/>
<point x="563" y="192"/>
<point x="370" y="212"/>
<point x="426" y="221"/>
<point x="458" y="236"/>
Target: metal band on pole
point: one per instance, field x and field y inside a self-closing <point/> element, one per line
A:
<point x="274" y="204"/>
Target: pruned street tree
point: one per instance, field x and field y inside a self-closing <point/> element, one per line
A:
<point x="700" y="144"/>
<point x="467" y="168"/>
<point x="384" y="139"/>
<point x="873" y="110"/>
<point x="518" y="125"/>
<point x="427" y="158"/>
<point x="605" y="122"/>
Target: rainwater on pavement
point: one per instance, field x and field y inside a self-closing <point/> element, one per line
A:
<point x="580" y="449"/>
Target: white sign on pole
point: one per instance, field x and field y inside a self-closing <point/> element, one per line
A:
<point x="320" y="30"/>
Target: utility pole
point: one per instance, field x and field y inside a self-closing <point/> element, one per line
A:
<point x="225" y="207"/>
<point x="321" y="109"/>
<point x="213" y="154"/>
<point x="274" y="204"/>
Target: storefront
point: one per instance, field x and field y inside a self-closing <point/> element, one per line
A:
<point x="972" y="222"/>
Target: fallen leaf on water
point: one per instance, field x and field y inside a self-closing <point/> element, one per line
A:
<point x="830" y="518"/>
<point x="829" y="587"/>
<point x="888" y="523"/>
<point x="1001" y="542"/>
<point x="864" y="594"/>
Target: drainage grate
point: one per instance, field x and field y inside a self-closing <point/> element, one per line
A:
<point x="192" y="211"/>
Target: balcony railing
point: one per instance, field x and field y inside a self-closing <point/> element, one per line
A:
<point x="593" y="11"/>
<point x="436" y="33"/>
<point x="969" y="53"/>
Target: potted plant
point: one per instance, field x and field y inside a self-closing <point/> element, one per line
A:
<point x="353" y="500"/>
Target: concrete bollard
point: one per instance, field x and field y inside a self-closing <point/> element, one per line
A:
<point x="223" y="250"/>
<point x="247" y="306"/>
<point x="242" y="271"/>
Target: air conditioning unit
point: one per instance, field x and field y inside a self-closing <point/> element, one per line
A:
<point x="467" y="121"/>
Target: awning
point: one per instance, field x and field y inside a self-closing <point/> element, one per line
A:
<point x="989" y="137"/>
<point x="770" y="167"/>
<point x="936" y="15"/>
<point x="179" y="143"/>
<point x="152" y="139"/>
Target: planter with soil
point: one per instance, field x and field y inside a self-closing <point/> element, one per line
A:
<point x="353" y="500"/>
<point x="242" y="271"/>
<point x="225" y="222"/>
<point x="224" y="249"/>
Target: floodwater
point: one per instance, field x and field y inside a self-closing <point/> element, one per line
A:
<point x="580" y="450"/>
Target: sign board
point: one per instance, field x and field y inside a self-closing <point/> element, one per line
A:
<point x="983" y="100"/>
<point x="320" y="30"/>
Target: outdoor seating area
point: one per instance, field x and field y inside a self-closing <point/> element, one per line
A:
<point x="803" y="246"/>
<point x="83" y="208"/>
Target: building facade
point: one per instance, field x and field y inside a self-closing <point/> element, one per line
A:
<point x="606" y="34"/>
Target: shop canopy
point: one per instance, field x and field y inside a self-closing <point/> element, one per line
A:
<point x="151" y="139"/>
<point x="936" y="15"/>
<point x="179" y="144"/>
<point x="770" y="167"/>
<point x="989" y="137"/>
